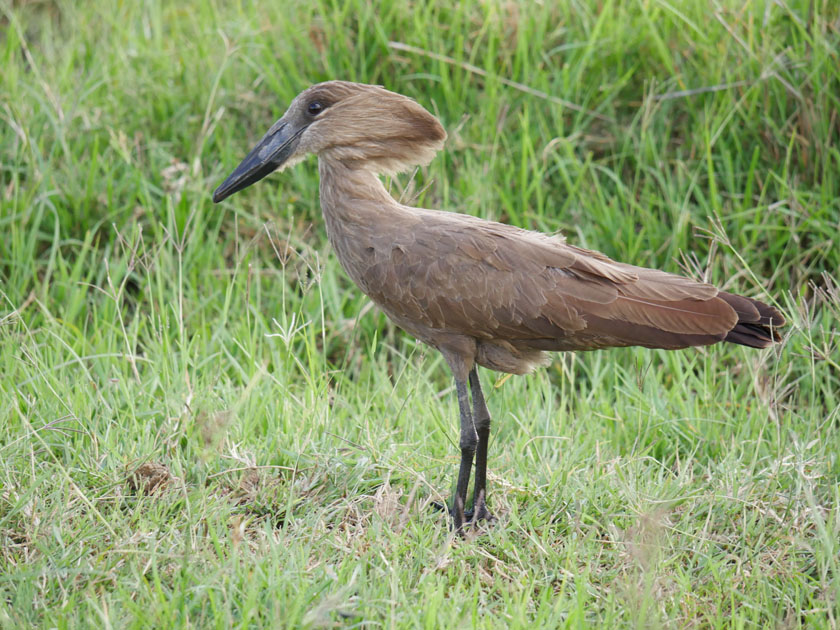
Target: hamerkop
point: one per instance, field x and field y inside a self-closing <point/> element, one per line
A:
<point x="482" y="293"/>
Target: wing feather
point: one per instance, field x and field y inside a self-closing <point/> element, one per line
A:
<point x="460" y="274"/>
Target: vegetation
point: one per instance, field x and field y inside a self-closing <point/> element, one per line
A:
<point x="204" y="424"/>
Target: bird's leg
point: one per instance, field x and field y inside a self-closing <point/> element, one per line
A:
<point x="481" y="417"/>
<point x="469" y="439"/>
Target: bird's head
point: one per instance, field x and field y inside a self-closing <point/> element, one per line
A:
<point x="362" y="126"/>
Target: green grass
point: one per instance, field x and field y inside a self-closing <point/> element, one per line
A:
<point x="305" y="435"/>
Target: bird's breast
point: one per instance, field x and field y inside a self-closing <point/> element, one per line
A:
<point x="363" y="260"/>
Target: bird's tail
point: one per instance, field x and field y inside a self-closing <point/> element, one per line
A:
<point x="758" y="322"/>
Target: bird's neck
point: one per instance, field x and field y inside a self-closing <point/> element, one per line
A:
<point x="358" y="212"/>
<point x="342" y="183"/>
<point x="353" y="197"/>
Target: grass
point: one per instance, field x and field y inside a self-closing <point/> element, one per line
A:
<point x="297" y="437"/>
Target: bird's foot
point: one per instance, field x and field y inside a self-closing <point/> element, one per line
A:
<point x="480" y="512"/>
<point x="437" y="506"/>
<point x="462" y="518"/>
<point x="475" y="517"/>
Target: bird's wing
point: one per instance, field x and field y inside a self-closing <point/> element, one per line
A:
<point x="494" y="281"/>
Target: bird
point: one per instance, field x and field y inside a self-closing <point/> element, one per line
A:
<point x="482" y="293"/>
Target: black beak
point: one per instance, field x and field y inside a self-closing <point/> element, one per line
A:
<point x="269" y="155"/>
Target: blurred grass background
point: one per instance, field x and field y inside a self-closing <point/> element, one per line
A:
<point x="297" y="437"/>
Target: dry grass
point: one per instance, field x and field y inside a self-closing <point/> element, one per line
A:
<point x="204" y="424"/>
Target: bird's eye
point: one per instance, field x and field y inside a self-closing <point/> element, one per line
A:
<point x="314" y="108"/>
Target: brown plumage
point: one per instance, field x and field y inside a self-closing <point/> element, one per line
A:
<point x="482" y="293"/>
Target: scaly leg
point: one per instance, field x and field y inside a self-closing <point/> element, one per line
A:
<point x="469" y="439"/>
<point x="481" y="417"/>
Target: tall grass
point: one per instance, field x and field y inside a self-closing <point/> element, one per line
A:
<point x="297" y="436"/>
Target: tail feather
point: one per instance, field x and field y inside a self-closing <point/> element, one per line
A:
<point x="758" y="322"/>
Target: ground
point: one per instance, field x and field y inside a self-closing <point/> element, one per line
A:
<point x="204" y="424"/>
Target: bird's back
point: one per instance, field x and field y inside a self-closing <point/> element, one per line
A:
<point x="440" y="274"/>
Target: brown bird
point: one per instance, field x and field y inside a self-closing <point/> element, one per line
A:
<point x="482" y="293"/>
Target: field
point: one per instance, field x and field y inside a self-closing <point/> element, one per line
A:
<point x="204" y="424"/>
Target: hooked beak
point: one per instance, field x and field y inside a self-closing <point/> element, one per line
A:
<point x="271" y="152"/>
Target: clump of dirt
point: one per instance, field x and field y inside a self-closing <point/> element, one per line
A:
<point x="256" y="491"/>
<point x="149" y="478"/>
<point x="258" y="495"/>
<point x="250" y="484"/>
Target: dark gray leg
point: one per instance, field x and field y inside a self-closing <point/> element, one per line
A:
<point x="469" y="439"/>
<point x="481" y="417"/>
